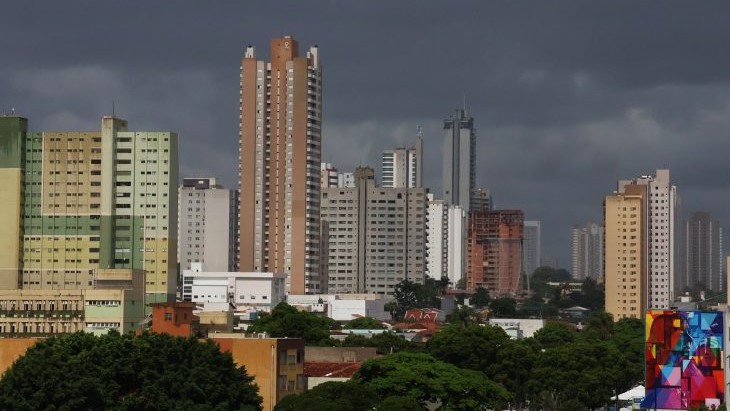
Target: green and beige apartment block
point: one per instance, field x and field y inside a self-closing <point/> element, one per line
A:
<point x="86" y="215"/>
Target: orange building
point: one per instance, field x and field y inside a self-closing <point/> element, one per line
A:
<point x="277" y="364"/>
<point x="13" y="348"/>
<point x="494" y="251"/>
<point x="174" y="318"/>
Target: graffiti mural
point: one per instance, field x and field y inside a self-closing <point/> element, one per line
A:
<point x="684" y="352"/>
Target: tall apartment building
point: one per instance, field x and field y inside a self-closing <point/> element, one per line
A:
<point x="436" y="255"/>
<point x="481" y="200"/>
<point x="588" y="252"/>
<point x="456" y="243"/>
<point x="700" y="261"/>
<point x="459" y="168"/>
<point x="402" y="167"/>
<point x="328" y="177"/>
<point x="626" y="252"/>
<point x="660" y="209"/>
<point x="494" y="249"/>
<point x="531" y="247"/>
<point x="345" y="180"/>
<point x="377" y="235"/>
<point x="77" y="204"/>
<point x="280" y="150"/>
<point x="208" y="226"/>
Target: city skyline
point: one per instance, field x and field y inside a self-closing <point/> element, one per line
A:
<point x="559" y="116"/>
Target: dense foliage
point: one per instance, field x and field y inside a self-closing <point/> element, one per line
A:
<point x="403" y="382"/>
<point x="560" y="368"/>
<point x="124" y="372"/>
<point x="286" y="321"/>
<point x="364" y="323"/>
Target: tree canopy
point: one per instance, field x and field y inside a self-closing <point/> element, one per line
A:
<point x="286" y="321"/>
<point x="430" y="381"/>
<point x="364" y="323"/>
<point x="125" y="372"/>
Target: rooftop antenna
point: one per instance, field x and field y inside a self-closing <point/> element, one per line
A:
<point x="113" y="109"/>
<point x="465" y="104"/>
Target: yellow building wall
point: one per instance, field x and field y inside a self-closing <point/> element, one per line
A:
<point x="624" y="274"/>
<point x="10" y="190"/>
<point x="268" y="361"/>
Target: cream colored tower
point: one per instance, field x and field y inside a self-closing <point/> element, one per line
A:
<point x="625" y="254"/>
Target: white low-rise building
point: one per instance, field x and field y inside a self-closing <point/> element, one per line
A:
<point x="518" y="327"/>
<point x="244" y="291"/>
<point x="343" y="307"/>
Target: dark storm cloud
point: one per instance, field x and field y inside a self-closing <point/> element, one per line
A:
<point x="567" y="97"/>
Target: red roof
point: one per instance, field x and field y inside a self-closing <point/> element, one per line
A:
<point x="331" y="369"/>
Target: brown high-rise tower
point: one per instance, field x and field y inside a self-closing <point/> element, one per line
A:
<point x="280" y="152"/>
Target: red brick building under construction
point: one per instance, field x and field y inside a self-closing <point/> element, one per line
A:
<point x="494" y="251"/>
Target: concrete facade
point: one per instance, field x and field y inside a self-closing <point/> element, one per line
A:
<point x="89" y="201"/>
<point x="208" y="226"/>
<point x="437" y="254"/>
<point x="661" y="219"/>
<point x="531" y="247"/>
<point x="700" y="260"/>
<point x="377" y="235"/>
<point x="343" y="307"/>
<point x="117" y="302"/>
<point x="258" y="291"/>
<point x="277" y="364"/>
<point x="625" y="258"/>
<point x="280" y="154"/>
<point x="588" y="252"/>
<point x="402" y="167"/>
<point x="459" y="156"/>
<point x="328" y="176"/>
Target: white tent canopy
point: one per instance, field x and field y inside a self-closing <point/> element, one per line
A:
<point x="636" y="392"/>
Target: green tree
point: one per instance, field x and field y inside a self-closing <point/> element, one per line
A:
<point x="125" y="372"/>
<point x="364" y="323"/>
<point x="429" y="381"/>
<point x="544" y="275"/>
<point x="504" y="307"/>
<point x="331" y="396"/>
<point x="599" y="326"/>
<point x="406" y="294"/>
<point x="399" y="404"/>
<point x="463" y="315"/>
<point x="555" y="334"/>
<point x="593" y="295"/>
<point x="474" y="347"/>
<point x="409" y="295"/>
<point x="286" y="321"/>
<point x="515" y="360"/>
<point x="579" y="375"/>
<point x="480" y="298"/>
<point x="629" y="338"/>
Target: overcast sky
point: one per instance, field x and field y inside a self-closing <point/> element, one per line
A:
<point x="567" y="97"/>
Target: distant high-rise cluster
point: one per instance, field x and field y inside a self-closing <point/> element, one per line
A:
<point x="700" y="261"/>
<point x="639" y="224"/>
<point x="588" y="252"/>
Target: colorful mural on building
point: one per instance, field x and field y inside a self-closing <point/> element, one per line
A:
<point x="684" y="351"/>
